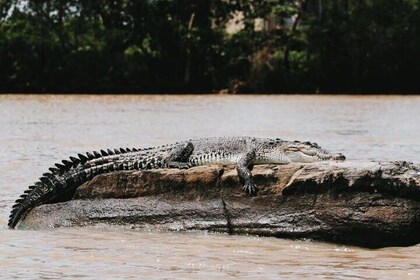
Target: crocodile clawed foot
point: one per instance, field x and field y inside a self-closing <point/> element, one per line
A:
<point x="250" y="189"/>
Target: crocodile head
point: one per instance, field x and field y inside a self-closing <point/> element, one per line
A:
<point x="309" y="152"/>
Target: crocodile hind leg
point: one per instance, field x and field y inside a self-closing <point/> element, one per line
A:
<point x="244" y="168"/>
<point x="179" y="156"/>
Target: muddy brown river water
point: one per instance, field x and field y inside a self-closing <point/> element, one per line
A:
<point x="37" y="131"/>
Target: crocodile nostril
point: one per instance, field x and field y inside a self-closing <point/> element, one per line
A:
<point x="339" y="156"/>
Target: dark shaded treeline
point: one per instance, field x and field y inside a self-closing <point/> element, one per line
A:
<point x="183" y="46"/>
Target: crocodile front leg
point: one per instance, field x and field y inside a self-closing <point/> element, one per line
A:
<point x="178" y="157"/>
<point x="244" y="168"/>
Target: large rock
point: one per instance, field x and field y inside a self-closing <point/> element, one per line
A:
<point x="370" y="204"/>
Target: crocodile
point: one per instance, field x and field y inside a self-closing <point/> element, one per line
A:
<point x="62" y="180"/>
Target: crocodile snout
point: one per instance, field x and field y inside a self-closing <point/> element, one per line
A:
<point x="338" y="156"/>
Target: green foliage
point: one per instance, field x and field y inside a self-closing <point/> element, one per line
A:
<point x="374" y="46"/>
<point x="182" y="46"/>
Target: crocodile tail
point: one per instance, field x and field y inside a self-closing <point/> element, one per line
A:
<point x="64" y="178"/>
<point x="34" y="196"/>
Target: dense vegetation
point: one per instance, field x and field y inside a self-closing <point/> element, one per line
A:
<point x="184" y="46"/>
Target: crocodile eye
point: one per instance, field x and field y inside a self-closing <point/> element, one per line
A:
<point x="292" y="149"/>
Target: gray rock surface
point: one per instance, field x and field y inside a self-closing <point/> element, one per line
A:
<point x="372" y="204"/>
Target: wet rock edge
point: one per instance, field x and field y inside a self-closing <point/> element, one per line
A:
<point x="369" y="204"/>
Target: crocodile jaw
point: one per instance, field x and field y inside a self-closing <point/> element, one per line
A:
<point x="302" y="157"/>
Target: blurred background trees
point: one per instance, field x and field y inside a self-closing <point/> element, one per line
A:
<point x="207" y="45"/>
